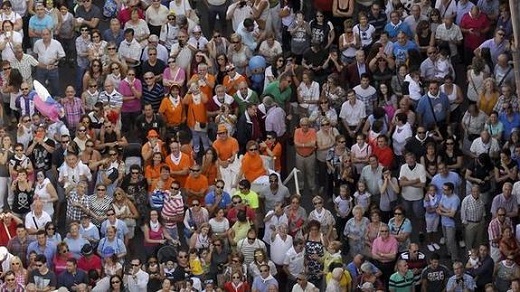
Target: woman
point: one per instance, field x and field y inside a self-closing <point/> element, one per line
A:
<point x="476" y="75"/>
<point x="173" y="74"/>
<point x="435" y="20"/>
<point x="506" y="170"/>
<point x="237" y="283"/>
<point x="494" y="126"/>
<point x="397" y="81"/>
<point x="53" y="236"/>
<point x="473" y="122"/>
<point x="153" y="269"/>
<point x="308" y="94"/>
<point x="373" y="229"/>
<point x="6" y="152"/>
<point x="364" y="31"/>
<point x="110" y="245"/>
<point x="23" y="194"/>
<point x="152" y="171"/>
<point x="334" y="93"/>
<point x="323" y="30"/>
<point x="19" y="161"/>
<point x="155" y="235"/>
<point x="194" y="217"/>
<point x="116" y="73"/>
<point x="301" y="35"/>
<point x="424" y="37"/>
<point x="19" y="271"/>
<point x="505" y="272"/>
<point x="116" y="284"/>
<point x="220" y="69"/>
<point x="219" y="224"/>
<point x="489" y="96"/>
<point x="452" y="156"/>
<point x="125" y="211"/>
<point x="66" y="34"/>
<point x="405" y="107"/>
<point x="273" y="71"/>
<point x="382" y="67"/>
<point x="135" y="186"/>
<point x="96" y="49"/>
<point x="140" y="27"/>
<point x="315" y="243"/>
<point x="355" y="230"/>
<point x="513" y="141"/>
<point x="95" y="73"/>
<point x="323" y="216"/>
<point x="324" y="114"/>
<point x="74" y="240"/>
<point x="90" y="96"/>
<point x="181" y="7"/>
<point x="430" y="156"/>
<point x="260" y="259"/>
<point x="112" y="56"/>
<point x="400" y="227"/>
<point x="8" y="39"/>
<point x="238" y="54"/>
<point x="508" y="245"/>
<point x="172" y="109"/>
<point x="325" y="140"/>
<point x="201" y="238"/>
<point x="166" y="286"/>
<point x="90" y="155"/>
<point x="132" y="91"/>
<point x="81" y="138"/>
<point x="45" y="192"/>
<point x="9" y="14"/>
<point x="61" y="256"/>
<point x="260" y="9"/>
<point x="360" y="152"/>
<point x="111" y="266"/>
<point x="297" y="216"/>
<point x="209" y="166"/>
<point x="455" y="95"/>
<point x="99" y="204"/>
<point x="348" y="44"/>
<point x="52" y="11"/>
<point x="252" y="166"/>
<point x="335" y="157"/>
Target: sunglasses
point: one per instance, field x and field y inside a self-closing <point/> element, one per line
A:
<point x="174" y="188"/>
<point x="195" y="205"/>
<point x="115" y="282"/>
<point x="219" y="187"/>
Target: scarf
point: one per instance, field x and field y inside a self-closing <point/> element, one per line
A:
<point x="174" y="100"/>
<point x="155" y="226"/>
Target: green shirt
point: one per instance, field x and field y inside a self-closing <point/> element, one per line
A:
<point x="398" y="283"/>
<point x="242" y="101"/>
<point x="279" y="97"/>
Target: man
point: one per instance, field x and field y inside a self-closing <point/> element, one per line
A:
<point x="474" y="26"/>
<point x="226" y="147"/>
<point x="111" y="99"/>
<point x="272" y="220"/>
<point x="377" y="17"/>
<point x="351" y="74"/>
<point x="460" y="281"/>
<point x="42" y="276"/>
<point x="237" y="12"/>
<point x="435" y="276"/>
<point x="248" y="196"/>
<point x="249" y="245"/>
<point x="496" y="46"/>
<point x="383" y="152"/>
<point x="402" y="279"/>
<point x="179" y="163"/>
<point x="137" y="279"/>
<point x="88" y="14"/>
<point x="354" y="268"/>
<point x="169" y="32"/>
<point x="434" y="108"/>
<point x="250" y="33"/>
<point x="484" y="271"/>
<point x="196" y="117"/>
<point x="302" y="285"/>
<point x="248" y="127"/>
<point x="472" y="213"/>
<point x="37" y="218"/>
<point x="122" y="231"/>
<point x="274" y="193"/>
<point x="315" y="59"/>
<point x="505" y="201"/>
<point x="149" y="120"/>
<point x="463" y="7"/>
<point x="395" y="25"/>
<point x="153" y="90"/>
<point x="415" y="17"/>
<point x="114" y="33"/>
<point x="24" y="63"/>
<point x="40" y="149"/>
<point x="49" y="52"/>
<point x="236" y="208"/>
<point x="196" y="184"/>
<point x="18" y="244"/>
<point x="385" y="260"/>
<point x="10" y="283"/>
<point x="72" y="172"/>
<point x="293" y="263"/>
<point x="508" y="96"/>
<point x="416" y="261"/>
<point x="366" y="93"/>
<point x="153" y="42"/>
<point x="305" y="144"/>
<point x="153" y="64"/>
<point x="445" y="175"/>
<point x="402" y="46"/>
<point x="370" y="175"/>
<point x="181" y="51"/>
<point x="232" y="80"/>
<point x="352" y="114"/>
<point x="417" y="144"/>
<point x="274" y="117"/>
<point x="449" y="35"/>
<point x="428" y="66"/>
<point x="42" y="247"/>
<point x="510" y="120"/>
<point x="412" y="178"/>
<point x="495" y="227"/>
<point x="39" y="22"/>
<point x="72" y="277"/>
<point x="172" y="211"/>
<point x="204" y="79"/>
<point x="485" y="144"/>
<point x="217" y="14"/>
<point x="217" y="198"/>
<point x="24" y="103"/>
<point x="130" y="49"/>
<point x="504" y="76"/>
<point x="447" y="209"/>
<point x="280" y="90"/>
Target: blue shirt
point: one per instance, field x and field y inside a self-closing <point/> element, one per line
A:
<point x="509" y="125"/>
<point x="39" y="24"/>
<point x="393" y="30"/>
<point x="122" y="229"/>
<point x="109" y="36"/>
<point x="452" y="177"/>
<point x="48" y="251"/>
<point x="68" y="280"/>
<point x="262" y="285"/>
<point x="401" y="51"/>
<point x="452" y="203"/>
<point x="440" y="105"/>
<point x="457" y="286"/>
<point x="224" y="202"/>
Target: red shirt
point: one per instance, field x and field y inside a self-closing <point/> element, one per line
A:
<point x="384" y="155"/>
<point x="471" y="40"/>
<point x="4" y="236"/>
<point x="91" y="263"/>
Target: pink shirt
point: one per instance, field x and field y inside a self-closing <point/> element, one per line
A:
<point x="385" y="246"/>
<point x="133" y="105"/>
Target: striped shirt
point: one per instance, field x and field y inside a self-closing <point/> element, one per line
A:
<point x="153" y="96"/>
<point x="472" y="210"/>
<point x="25" y="67"/>
<point x="173" y="207"/>
<point x="401" y="283"/>
<point x="73" y="111"/>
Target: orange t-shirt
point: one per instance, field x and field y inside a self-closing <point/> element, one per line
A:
<point x="206" y="89"/>
<point x="252" y="167"/>
<point x="226" y="148"/>
<point x="184" y="163"/>
<point x="211" y="173"/>
<point x="166" y="185"/>
<point x="196" y="184"/>
<point x="153" y="173"/>
<point x="173" y="116"/>
<point x="232" y="84"/>
<point x="277" y="152"/>
<point x="305" y="138"/>
<point x="196" y="112"/>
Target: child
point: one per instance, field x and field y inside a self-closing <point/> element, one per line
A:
<point x="473" y="260"/>
<point x="415" y="91"/>
<point x="362" y="197"/>
<point x="431" y="202"/>
<point x="332" y="254"/>
<point x="343" y="207"/>
<point x="195" y="264"/>
<point x="168" y="269"/>
<point x="442" y="65"/>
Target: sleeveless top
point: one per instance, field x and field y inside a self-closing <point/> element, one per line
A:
<point x="201" y="242"/>
<point x="475" y="85"/>
<point x="123" y="210"/>
<point x="22" y="200"/>
<point x="40" y="191"/>
<point x="154" y="235"/>
<point x="314" y="266"/>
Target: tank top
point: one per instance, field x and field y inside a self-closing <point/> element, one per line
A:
<point x="22" y="200"/>
<point x="154" y="235"/>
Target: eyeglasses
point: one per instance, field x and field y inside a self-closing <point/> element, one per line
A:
<point x="65" y="251"/>
<point x="219" y="187"/>
<point x="100" y="190"/>
<point x="171" y="62"/>
<point x="195" y="205"/>
<point x="383" y="231"/>
<point x="115" y="282"/>
<point x="183" y="256"/>
<point x="250" y="239"/>
<point x="152" y="54"/>
<point x="174" y="188"/>
<point x="130" y="74"/>
<point x="194" y="170"/>
<point x="9" y="279"/>
<point x="26" y="120"/>
<point x="18" y="150"/>
<point x="449" y="143"/>
<point x="421" y="132"/>
<point x="253" y="149"/>
<point x="112" y="154"/>
<point x="216" y="36"/>
<point x="93" y="85"/>
<point x="135" y="172"/>
<point x="25" y="88"/>
<point x="237" y="202"/>
<point x="501" y="215"/>
<point x="115" y="68"/>
<point x="236" y="277"/>
<point x="135" y="265"/>
<point x="84" y="29"/>
<point x="15" y="264"/>
<point x="65" y="141"/>
<point x="318" y="203"/>
<point x="398" y="213"/>
<point x="39" y="265"/>
<point x="111" y="48"/>
<point x="82" y="130"/>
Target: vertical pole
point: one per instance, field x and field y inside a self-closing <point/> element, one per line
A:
<point x="515" y="20"/>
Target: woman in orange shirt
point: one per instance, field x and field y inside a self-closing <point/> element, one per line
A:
<point x="172" y="109"/>
<point x="209" y="166"/>
<point x="152" y="171"/>
<point x="489" y="96"/>
<point x="252" y="164"/>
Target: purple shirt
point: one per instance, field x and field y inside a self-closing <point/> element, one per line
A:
<point x="133" y="105"/>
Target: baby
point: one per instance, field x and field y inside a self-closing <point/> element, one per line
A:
<point x="474" y="260"/>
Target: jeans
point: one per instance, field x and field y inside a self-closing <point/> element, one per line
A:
<point x="79" y="78"/>
<point x="451" y="242"/>
<point x="52" y="77"/>
<point x="199" y="137"/>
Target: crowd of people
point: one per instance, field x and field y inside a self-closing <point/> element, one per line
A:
<point x="164" y="168"/>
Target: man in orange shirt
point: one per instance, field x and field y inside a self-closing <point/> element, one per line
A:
<point x="164" y="181"/>
<point x="232" y="79"/>
<point x="196" y="184"/>
<point x="205" y="80"/>
<point x="226" y="147"/>
<point x="305" y="145"/>
<point x="179" y="163"/>
<point x="272" y="148"/>
<point x="197" y="119"/>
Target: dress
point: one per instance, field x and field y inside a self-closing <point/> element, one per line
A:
<point x="314" y="267"/>
<point x="40" y="191"/>
<point x="358" y="230"/>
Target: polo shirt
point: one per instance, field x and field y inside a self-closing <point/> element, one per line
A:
<point x="280" y="97"/>
<point x="352" y="114"/>
<point x="410" y="193"/>
<point x="250" y="199"/>
<point x="451" y="203"/>
<point x="401" y="283"/>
